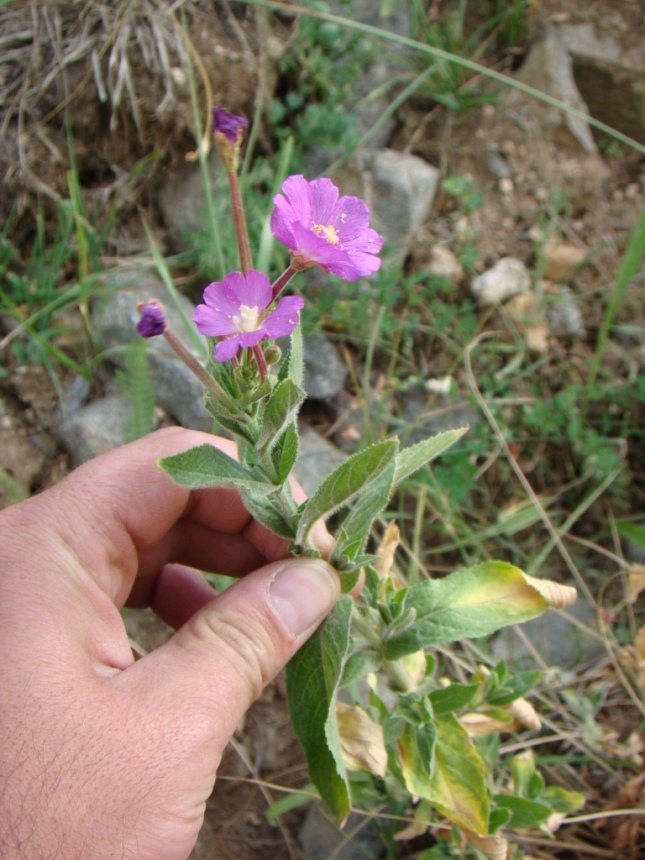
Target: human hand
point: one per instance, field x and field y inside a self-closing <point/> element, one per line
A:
<point x="103" y="756"/>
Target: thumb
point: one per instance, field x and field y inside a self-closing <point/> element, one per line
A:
<point x="214" y="667"/>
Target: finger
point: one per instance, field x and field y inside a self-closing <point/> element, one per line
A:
<point x="208" y="674"/>
<point x="121" y="513"/>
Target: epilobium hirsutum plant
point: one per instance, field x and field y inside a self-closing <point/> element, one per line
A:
<point x="421" y="747"/>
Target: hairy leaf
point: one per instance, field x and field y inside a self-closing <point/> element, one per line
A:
<point x="313" y="676"/>
<point x="355" y="475"/>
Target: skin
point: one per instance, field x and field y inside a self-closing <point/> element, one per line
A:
<point x="102" y="756"/>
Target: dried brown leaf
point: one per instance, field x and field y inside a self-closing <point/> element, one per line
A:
<point x="361" y="740"/>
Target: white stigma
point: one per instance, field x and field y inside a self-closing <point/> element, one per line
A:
<point x="247" y="319"/>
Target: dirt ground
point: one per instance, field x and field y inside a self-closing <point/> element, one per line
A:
<point x="606" y="193"/>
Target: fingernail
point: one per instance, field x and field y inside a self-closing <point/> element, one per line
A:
<point x="302" y="592"/>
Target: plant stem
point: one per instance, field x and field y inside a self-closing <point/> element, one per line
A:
<point x="261" y="361"/>
<point x="282" y="281"/>
<point x="239" y="219"/>
<point x="200" y="372"/>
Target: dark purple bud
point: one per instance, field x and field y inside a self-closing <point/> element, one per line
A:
<point x="153" y="320"/>
<point x="231" y="126"/>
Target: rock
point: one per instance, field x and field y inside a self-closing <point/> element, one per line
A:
<point x="325" y="372"/>
<point x="96" y="428"/>
<point x="399" y="189"/>
<point x="548" y="68"/>
<point x="182" y="200"/>
<point x="562" y="259"/>
<point x="444" y="264"/>
<point x="317" y="458"/>
<point x="506" y="278"/>
<point x="75" y="395"/>
<point x="321" y="838"/>
<point x="425" y="414"/>
<point x="564" y="315"/>
<point x="525" y="310"/>
<point x="176" y="389"/>
<point x="558" y="641"/>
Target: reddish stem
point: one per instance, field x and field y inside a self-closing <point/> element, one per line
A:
<point x="262" y="364"/>
<point x="239" y="219"/>
<point x="282" y="282"/>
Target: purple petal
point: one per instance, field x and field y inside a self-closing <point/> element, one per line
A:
<point x="352" y="265"/>
<point x="227" y="349"/>
<point x="231" y="126"/>
<point x="213" y="323"/>
<point x="221" y="296"/>
<point x="152" y="321"/>
<point x="256" y="292"/>
<point x="324" y="195"/>
<point x="284" y="318"/>
<point x="351" y="218"/>
<point x="298" y="198"/>
<point x="251" y="338"/>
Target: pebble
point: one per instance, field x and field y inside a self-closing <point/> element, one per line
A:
<point x="506" y="278"/>
<point x="562" y="259"/>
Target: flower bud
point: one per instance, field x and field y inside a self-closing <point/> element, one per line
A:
<point x="153" y="320"/>
<point x="272" y="354"/>
<point x="228" y="132"/>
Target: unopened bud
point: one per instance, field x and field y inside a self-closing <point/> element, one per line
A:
<point x="228" y="132"/>
<point x="153" y="319"/>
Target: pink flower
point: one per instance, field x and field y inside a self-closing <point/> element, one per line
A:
<point x="319" y="228"/>
<point x="236" y="309"/>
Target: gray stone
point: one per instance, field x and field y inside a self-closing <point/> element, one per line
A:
<point x="548" y="68"/>
<point x="96" y="428"/>
<point x="317" y="458"/>
<point x="76" y="394"/>
<point x="565" y="316"/>
<point x="177" y="390"/>
<point x="558" y="641"/>
<point x="183" y="202"/>
<point x="325" y="372"/>
<point x="321" y="838"/>
<point x="399" y="189"/>
<point x="506" y="278"/>
<point x="425" y="414"/>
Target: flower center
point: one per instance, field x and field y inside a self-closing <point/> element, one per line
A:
<point x="328" y="232"/>
<point x="247" y="319"/>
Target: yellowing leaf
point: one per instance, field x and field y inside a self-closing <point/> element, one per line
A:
<point x="477" y="724"/>
<point x="556" y="595"/>
<point x="494" y="847"/>
<point x="525" y="714"/>
<point x="361" y="740"/>
<point x="386" y="551"/>
<point x="635" y="582"/>
<point x="447" y="772"/>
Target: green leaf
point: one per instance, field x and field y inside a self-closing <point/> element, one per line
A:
<point x="473" y="602"/>
<point x="524" y="813"/>
<point x="409" y="460"/>
<point x="264" y="512"/>
<point x="289" y="801"/>
<point x="295" y="361"/>
<point x="359" y="664"/>
<point x="404" y="643"/>
<point x="562" y="800"/>
<point x="313" y="677"/>
<point x="632" y="532"/>
<point x="357" y="524"/>
<point x="285" y="453"/>
<point x="207" y="466"/>
<point x="449" y="699"/>
<point x="451" y="775"/>
<point x="514" y="687"/>
<point x="354" y="475"/>
<point x="280" y="410"/>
